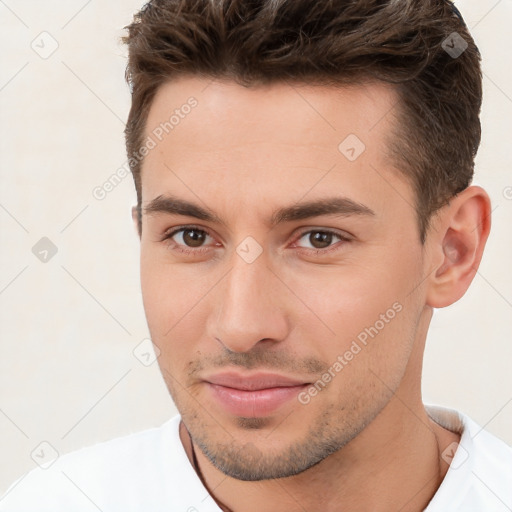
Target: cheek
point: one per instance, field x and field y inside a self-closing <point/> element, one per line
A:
<point x="168" y="290"/>
<point x="359" y="302"/>
<point x="174" y="300"/>
<point x="158" y="293"/>
<point x="159" y="297"/>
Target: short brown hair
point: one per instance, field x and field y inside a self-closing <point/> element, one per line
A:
<point x="327" y="42"/>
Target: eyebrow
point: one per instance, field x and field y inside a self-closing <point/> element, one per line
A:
<point x="337" y="206"/>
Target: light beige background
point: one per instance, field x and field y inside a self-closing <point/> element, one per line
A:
<point x="68" y="374"/>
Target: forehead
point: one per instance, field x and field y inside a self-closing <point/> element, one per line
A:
<point x="271" y="141"/>
<point x="259" y="110"/>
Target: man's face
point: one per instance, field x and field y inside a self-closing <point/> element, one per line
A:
<point x="283" y="332"/>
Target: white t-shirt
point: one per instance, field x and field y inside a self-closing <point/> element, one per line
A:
<point x="149" y="471"/>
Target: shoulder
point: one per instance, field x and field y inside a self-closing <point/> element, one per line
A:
<point x="480" y="473"/>
<point x="491" y="467"/>
<point x="89" y="478"/>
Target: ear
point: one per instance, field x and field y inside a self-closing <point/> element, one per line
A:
<point x="457" y="244"/>
<point x="136" y="220"/>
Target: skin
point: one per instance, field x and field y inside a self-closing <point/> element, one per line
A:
<point x="364" y="442"/>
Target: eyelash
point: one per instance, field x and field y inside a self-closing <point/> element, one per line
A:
<point x="180" y="248"/>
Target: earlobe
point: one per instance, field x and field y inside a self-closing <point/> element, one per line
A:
<point x="464" y="228"/>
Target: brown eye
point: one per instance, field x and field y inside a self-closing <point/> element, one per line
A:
<point x="190" y="237"/>
<point x="320" y="239"/>
<point x="193" y="237"/>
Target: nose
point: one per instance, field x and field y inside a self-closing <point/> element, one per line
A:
<point x="250" y="307"/>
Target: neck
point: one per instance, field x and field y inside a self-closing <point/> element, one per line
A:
<point x="390" y="466"/>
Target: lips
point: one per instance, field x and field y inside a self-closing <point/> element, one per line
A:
<point x="253" y="382"/>
<point x="252" y="396"/>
